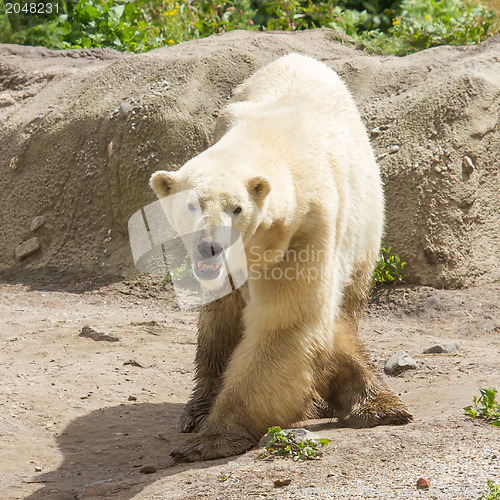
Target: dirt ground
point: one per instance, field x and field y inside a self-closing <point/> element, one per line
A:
<point x="77" y="420"/>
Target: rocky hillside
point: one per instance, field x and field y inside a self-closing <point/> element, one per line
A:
<point x="83" y="130"/>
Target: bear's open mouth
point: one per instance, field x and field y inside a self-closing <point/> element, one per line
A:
<point x="207" y="271"/>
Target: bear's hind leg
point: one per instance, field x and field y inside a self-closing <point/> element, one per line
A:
<point x="355" y="393"/>
<point x="219" y="331"/>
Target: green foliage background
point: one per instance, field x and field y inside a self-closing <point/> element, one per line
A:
<point x="390" y="26"/>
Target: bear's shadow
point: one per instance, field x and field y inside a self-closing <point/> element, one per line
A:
<point x="104" y="452"/>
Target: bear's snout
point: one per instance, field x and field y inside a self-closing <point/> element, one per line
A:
<point x="208" y="248"/>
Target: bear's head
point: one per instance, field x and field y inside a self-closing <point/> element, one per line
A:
<point x="211" y="202"/>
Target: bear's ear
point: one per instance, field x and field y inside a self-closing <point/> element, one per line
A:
<point x="259" y="188"/>
<point x="162" y="182"/>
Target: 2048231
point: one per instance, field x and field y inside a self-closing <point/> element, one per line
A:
<point x="32" y="8"/>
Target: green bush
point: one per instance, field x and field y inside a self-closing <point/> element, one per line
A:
<point x="388" y="269"/>
<point x="493" y="492"/>
<point x="388" y="26"/>
<point x="485" y="407"/>
<point x="428" y="23"/>
<point x="284" y="445"/>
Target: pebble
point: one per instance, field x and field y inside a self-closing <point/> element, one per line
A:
<point x="279" y="483"/>
<point x="6" y="100"/>
<point x="125" y="108"/>
<point x="376" y="131"/>
<point x="393" y="149"/>
<point x="467" y="165"/>
<point x="133" y="362"/>
<point x="423" y="483"/>
<point x="148" y="469"/>
<point x="37" y="223"/>
<point x="132" y="398"/>
<point x="433" y="303"/>
<point x="27" y="248"/>
<point x="444" y="348"/>
<point x="399" y="362"/>
<point x="98" y="335"/>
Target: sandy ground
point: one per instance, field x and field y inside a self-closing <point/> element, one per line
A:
<point x="71" y="428"/>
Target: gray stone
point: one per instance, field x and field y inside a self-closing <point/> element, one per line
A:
<point x="98" y="335"/>
<point x="298" y="436"/>
<point x="125" y="108"/>
<point x="399" y="362"/>
<point x="433" y="303"/>
<point x="444" y="348"/>
<point x="37" y="223"/>
<point x="27" y="248"/>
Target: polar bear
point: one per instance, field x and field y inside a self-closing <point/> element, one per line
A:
<point x="293" y="171"/>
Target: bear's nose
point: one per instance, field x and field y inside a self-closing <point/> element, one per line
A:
<point x="209" y="249"/>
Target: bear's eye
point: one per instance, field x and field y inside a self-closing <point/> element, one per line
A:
<point x="237" y="211"/>
<point x="191" y="207"/>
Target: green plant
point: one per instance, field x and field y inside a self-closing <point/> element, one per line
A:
<point x="388" y="269"/>
<point x="427" y="23"/>
<point x="284" y="444"/>
<point x="382" y="26"/>
<point x="493" y="492"/>
<point x="485" y="407"/>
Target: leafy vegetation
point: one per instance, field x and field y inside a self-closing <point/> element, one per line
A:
<point x="283" y="444"/>
<point x="390" y="26"/>
<point x="493" y="492"/>
<point x="388" y="269"/>
<point x="485" y="407"/>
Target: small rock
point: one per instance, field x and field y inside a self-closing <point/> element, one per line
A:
<point x="98" y="336"/>
<point x="125" y="108"/>
<point x="132" y="398"/>
<point x="423" y="484"/>
<point x="375" y="131"/>
<point x="13" y="163"/>
<point x="38" y="469"/>
<point x="148" y="469"/>
<point x="433" y="303"/>
<point x="399" y="362"/>
<point x="298" y="436"/>
<point x="444" y="348"/>
<point x="279" y="483"/>
<point x="37" y="223"/>
<point x="381" y="156"/>
<point x="133" y="362"/>
<point x="6" y="100"/>
<point x="110" y="149"/>
<point x="27" y="248"/>
<point x="467" y="165"/>
<point x="393" y="149"/>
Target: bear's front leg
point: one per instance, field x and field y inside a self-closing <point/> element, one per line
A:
<point x="219" y="331"/>
<point x="267" y="382"/>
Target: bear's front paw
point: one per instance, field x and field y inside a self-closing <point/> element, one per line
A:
<point x="210" y="446"/>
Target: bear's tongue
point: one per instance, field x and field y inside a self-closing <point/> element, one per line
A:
<point x="208" y="268"/>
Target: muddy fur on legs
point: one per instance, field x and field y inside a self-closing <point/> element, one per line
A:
<point x="219" y="331"/>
